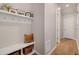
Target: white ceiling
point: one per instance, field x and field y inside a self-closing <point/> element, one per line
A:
<point x="71" y="9"/>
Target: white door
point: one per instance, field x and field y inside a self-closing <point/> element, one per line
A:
<point x="69" y="21"/>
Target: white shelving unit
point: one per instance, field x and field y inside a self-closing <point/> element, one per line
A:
<point x="13" y="48"/>
<point x="24" y="18"/>
<point x="9" y="17"/>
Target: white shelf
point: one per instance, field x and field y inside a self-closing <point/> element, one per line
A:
<point x="15" y="14"/>
<point x="12" y="48"/>
<point x="8" y="17"/>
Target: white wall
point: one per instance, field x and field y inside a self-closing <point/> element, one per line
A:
<point x="44" y="27"/>
<point x="38" y="26"/>
<point x="61" y="26"/>
<point x="69" y="17"/>
<point x="12" y="34"/>
<point x="77" y="29"/>
<point x="50" y="26"/>
<point x="69" y="21"/>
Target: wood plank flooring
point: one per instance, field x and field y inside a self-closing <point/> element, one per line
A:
<point x="66" y="47"/>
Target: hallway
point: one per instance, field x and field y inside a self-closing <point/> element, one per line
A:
<point x="66" y="47"/>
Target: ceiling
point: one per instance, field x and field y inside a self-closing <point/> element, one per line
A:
<point x="65" y="9"/>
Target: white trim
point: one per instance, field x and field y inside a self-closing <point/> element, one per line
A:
<point x="49" y="53"/>
<point x="58" y="20"/>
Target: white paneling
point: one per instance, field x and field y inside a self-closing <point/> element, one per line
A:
<point x="9" y="35"/>
<point x="38" y="26"/>
<point x="48" y="46"/>
<point x="50" y="26"/>
<point x="12" y="33"/>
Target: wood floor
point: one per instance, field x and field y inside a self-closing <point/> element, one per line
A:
<point x="66" y="47"/>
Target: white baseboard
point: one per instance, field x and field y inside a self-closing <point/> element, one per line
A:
<point x="49" y="53"/>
